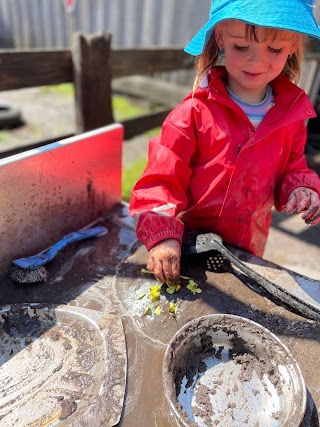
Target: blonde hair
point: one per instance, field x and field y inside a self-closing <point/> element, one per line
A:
<point x="210" y="55"/>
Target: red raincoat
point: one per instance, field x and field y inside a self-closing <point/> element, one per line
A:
<point x="211" y="170"/>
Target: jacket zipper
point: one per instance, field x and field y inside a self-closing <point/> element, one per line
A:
<point x="289" y="109"/>
<point x="251" y="133"/>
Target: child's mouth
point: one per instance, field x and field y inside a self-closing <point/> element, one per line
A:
<point x="252" y="75"/>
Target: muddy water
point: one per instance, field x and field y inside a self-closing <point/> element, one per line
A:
<point x="105" y="274"/>
<point x="229" y="370"/>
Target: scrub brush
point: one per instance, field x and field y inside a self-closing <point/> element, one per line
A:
<point x="31" y="269"/>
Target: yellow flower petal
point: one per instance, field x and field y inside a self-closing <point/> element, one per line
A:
<point x="147" y="311"/>
<point x="154" y="293"/>
<point x="173" y="308"/>
<point x="157" y="310"/>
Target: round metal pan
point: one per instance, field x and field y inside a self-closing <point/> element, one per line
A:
<point x="227" y="370"/>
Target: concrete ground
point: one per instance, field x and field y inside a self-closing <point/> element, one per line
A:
<point x="291" y="243"/>
<point x="294" y="245"/>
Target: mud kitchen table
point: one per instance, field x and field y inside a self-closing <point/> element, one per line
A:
<point x="56" y="190"/>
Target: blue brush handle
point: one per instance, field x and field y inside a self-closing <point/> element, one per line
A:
<point x="37" y="261"/>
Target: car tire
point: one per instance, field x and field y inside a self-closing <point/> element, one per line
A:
<point x="9" y="116"/>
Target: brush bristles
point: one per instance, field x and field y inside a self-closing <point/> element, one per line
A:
<point x="21" y="275"/>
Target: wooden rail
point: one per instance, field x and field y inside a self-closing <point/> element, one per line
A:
<point x="31" y="68"/>
<point x="91" y="65"/>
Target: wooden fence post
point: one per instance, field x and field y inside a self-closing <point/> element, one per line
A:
<point x="91" y="59"/>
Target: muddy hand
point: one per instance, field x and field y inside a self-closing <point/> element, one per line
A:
<point x="302" y="199"/>
<point x="164" y="261"/>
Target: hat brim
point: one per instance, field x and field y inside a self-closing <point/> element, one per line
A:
<point x="293" y="17"/>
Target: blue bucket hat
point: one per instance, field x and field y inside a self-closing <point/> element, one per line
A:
<point x="292" y="15"/>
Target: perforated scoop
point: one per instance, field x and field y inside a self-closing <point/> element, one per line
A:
<point x="195" y="242"/>
<point x="216" y="261"/>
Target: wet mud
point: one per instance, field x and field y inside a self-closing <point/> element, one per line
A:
<point x="105" y="275"/>
<point x="223" y="371"/>
<point x="53" y="363"/>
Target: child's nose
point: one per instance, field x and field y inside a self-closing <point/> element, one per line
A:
<point x="257" y="56"/>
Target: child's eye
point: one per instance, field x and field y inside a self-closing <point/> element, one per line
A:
<point x="272" y="50"/>
<point x="241" y="48"/>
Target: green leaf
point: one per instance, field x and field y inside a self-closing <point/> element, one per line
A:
<point x="147" y="311"/>
<point x="173" y="308"/>
<point x="193" y="287"/>
<point x="145" y="271"/>
<point x="171" y="289"/>
<point x="142" y="296"/>
<point x="185" y="277"/>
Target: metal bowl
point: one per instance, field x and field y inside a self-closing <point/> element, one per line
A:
<point x="227" y="370"/>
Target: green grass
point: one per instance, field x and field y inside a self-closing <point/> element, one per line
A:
<point x="153" y="132"/>
<point x="3" y="136"/>
<point x="124" y="108"/>
<point x="130" y="177"/>
<point x="64" y="88"/>
<point x="131" y="174"/>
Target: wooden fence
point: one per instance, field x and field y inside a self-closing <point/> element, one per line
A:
<point x="91" y="65"/>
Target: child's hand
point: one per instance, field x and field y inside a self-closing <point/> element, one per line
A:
<point x="302" y="199"/>
<point x="164" y="261"/>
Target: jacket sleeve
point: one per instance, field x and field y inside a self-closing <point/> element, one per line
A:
<point x="160" y="194"/>
<point x="296" y="172"/>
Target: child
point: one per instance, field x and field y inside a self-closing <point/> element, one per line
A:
<point x="234" y="148"/>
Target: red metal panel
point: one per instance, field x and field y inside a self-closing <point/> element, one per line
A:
<point x="53" y="190"/>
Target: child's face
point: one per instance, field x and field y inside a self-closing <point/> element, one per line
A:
<point x="251" y="65"/>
